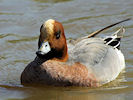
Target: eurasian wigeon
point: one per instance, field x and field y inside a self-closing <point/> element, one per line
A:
<point x="88" y="61"/>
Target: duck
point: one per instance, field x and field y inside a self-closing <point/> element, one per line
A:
<point x="88" y="61"/>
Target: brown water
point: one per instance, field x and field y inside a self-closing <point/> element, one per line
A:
<point x="20" y="21"/>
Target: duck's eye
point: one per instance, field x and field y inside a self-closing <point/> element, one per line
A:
<point x="58" y="34"/>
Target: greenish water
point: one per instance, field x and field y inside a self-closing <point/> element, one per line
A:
<point x="20" y="21"/>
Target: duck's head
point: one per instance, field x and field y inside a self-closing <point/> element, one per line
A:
<point x="52" y="41"/>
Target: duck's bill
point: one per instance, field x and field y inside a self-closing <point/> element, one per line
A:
<point x="44" y="49"/>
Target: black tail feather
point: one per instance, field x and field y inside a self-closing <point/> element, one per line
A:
<point x="114" y="43"/>
<point x="115" y="39"/>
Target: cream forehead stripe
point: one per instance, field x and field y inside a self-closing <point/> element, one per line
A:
<point x="49" y="26"/>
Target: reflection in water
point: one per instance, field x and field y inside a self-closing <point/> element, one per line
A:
<point x="57" y="93"/>
<point x="19" y="30"/>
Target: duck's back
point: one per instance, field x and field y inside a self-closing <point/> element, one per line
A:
<point x="105" y="61"/>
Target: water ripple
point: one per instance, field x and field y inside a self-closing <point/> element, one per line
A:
<point x="23" y="40"/>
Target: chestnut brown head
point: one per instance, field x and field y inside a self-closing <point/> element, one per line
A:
<point x="52" y="41"/>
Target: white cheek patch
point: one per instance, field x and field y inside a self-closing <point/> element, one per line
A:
<point x="45" y="48"/>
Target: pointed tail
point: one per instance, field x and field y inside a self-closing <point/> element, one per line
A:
<point x="105" y="28"/>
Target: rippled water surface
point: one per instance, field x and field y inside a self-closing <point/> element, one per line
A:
<point x="20" y="21"/>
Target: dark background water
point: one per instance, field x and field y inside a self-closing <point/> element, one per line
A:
<point x="20" y="21"/>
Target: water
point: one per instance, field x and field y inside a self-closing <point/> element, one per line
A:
<point x="20" y="21"/>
